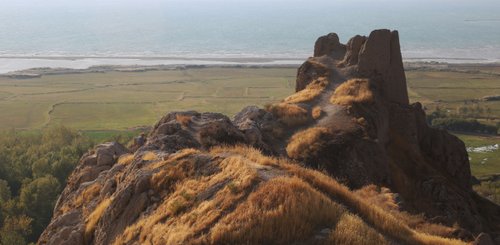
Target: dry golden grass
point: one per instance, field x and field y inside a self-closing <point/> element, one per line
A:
<point x="316" y="112"/>
<point x="94" y="217"/>
<point x="309" y="93"/>
<point x="125" y="159"/>
<point x="308" y="143"/>
<point x="173" y="158"/>
<point x="250" y="153"/>
<point x="382" y="220"/>
<point x="244" y="197"/>
<point x="384" y="198"/>
<point x="351" y="230"/>
<point x="289" y="114"/>
<point x="281" y="210"/>
<point x="149" y="156"/>
<point x="194" y="203"/>
<point x="88" y="194"/>
<point x="183" y="119"/>
<point x="353" y="91"/>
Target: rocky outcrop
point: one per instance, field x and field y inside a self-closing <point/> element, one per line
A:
<point x="377" y="56"/>
<point x="329" y="45"/>
<point x="180" y="130"/>
<point x="202" y="178"/>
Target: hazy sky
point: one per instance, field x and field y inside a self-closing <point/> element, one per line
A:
<point x="389" y="4"/>
<point x="142" y="2"/>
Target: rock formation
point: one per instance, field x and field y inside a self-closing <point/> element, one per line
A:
<point x="204" y="179"/>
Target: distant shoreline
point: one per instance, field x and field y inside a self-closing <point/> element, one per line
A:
<point x="23" y="67"/>
<point x="132" y="57"/>
<point x="222" y="59"/>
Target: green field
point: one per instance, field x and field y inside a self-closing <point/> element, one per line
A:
<point x="121" y="100"/>
<point x="450" y="90"/>
<point x="483" y="161"/>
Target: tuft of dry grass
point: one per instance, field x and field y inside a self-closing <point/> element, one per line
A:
<point x="173" y="158"/>
<point x="88" y="194"/>
<point x="309" y="93"/>
<point x="306" y="144"/>
<point x="125" y="159"/>
<point x="281" y="210"/>
<point x="316" y="112"/>
<point x="183" y="119"/>
<point x="94" y="217"/>
<point x="351" y="230"/>
<point x="384" y="198"/>
<point x="289" y="114"/>
<point x="167" y="176"/>
<point x="353" y="91"/>
<point x="149" y="156"/>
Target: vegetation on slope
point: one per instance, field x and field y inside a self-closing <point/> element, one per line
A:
<point x="289" y="114"/>
<point x="353" y="91"/>
<point x="307" y="144"/>
<point x="33" y="171"/>
<point x="460" y="121"/>
<point x="309" y="93"/>
<point x="240" y="196"/>
<point x="34" y="167"/>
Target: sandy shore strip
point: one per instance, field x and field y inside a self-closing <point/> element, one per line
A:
<point x="15" y="65"/>
<point x="29" y="67"/>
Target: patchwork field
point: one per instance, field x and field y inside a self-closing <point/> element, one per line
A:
<point x="452" y="90"/>
<point x="121" y="100"/>
<point x="105" y="105"/>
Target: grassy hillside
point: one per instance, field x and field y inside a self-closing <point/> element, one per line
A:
<point x="236" y="195"/>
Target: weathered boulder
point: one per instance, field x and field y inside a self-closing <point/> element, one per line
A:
<point x="255" y="124"/>
<point x="313" y="69"/>
<point x="180" y="130"/>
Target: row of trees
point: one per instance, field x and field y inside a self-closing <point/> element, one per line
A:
<point x="473" y="111"/>
<point x="463" y="119"/>
<point x="33" y="172"/>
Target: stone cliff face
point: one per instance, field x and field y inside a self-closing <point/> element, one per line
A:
<point x="350" y="117"/>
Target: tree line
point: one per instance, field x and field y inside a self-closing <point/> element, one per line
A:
<point x="33" y="171"/>
<point x="463" y="119"/>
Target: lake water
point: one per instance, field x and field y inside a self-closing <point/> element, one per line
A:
<point x="89" y="31"/>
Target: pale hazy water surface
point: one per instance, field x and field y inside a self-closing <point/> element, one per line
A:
<point x="440" y="30"/>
